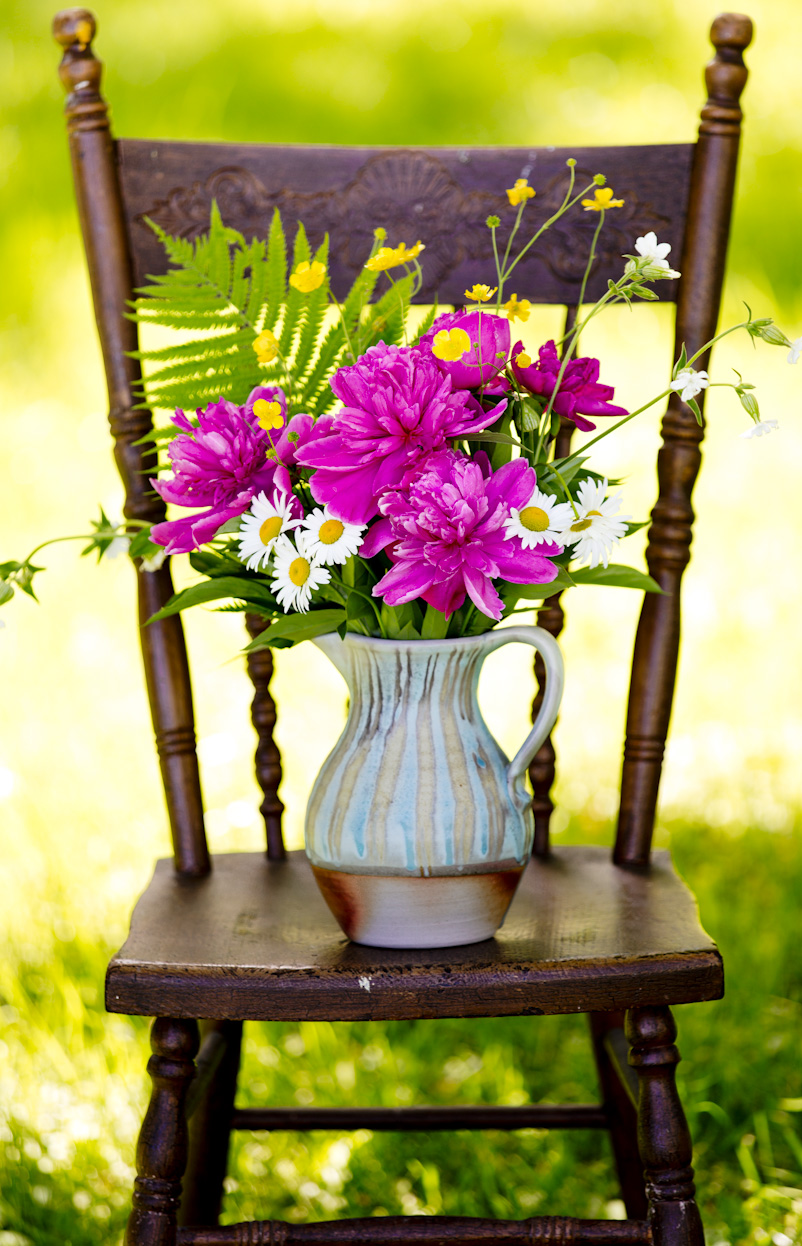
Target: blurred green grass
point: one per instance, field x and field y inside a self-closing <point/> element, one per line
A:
<point x="79" y="795"/>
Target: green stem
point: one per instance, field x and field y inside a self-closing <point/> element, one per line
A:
<point x="588" y="267"/>
<point x="90" y="536"/>
<point x="577" y="453"/>
<point x="564" y="207"/>
<point x="502" y="273"/>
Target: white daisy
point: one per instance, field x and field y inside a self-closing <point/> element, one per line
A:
<point x="296" y="573"/>
<point x="655" y="253"/>
<point x="331" y="540"/>
<point x="596" y="529"/>
<point x="155" y="561"/>
<point x="689" y="383"/>
<point x="262" y="525"/>
<point x="795" y="351"/>
<point x="542" y="519"/>
<point x="761" y="428"/>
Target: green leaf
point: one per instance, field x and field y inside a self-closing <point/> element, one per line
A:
<point x="408" y="632"/>
<point x="299" y="627"/>
<point x="6" y="592"/>
<point x="435" y="624"/>
<point x="681" y="363"/>
<point x="501" y="439"/>
<point x="536" y="592"/>
<point x="358" y="607"/>
<point x="616" y="576"/>
<point x="214" y="590"/>
<point x="694" y="406"/>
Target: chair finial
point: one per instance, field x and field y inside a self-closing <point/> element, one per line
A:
<point x="726" y="74"/>
<point x="731" y="30"/>
<point x="80" y="70"/>
<point x="73" y="27"/>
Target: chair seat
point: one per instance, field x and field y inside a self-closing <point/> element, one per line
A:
<point x="255" y="940"/>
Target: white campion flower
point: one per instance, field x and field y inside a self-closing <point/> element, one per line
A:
<point x="688" y="383"/>
<point x="119" y="545"/>
<point x="795" y="351"/>
<point x="654" y="252"/>
<point x="761" y="428"/>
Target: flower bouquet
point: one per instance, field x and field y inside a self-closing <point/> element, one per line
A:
<point x="393" y="494"/>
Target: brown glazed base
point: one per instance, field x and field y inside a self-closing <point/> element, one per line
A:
<point x="446" y="910"/>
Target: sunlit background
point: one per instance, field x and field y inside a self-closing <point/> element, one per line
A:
<point x="81" y="812"/>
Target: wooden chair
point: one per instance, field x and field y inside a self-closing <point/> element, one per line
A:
<point x="250" y="938"/>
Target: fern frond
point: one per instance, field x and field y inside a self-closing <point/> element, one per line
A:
<point x="276" y="271"/>
<point x="314" y="312"/>
<point x="294" y="300"/>
<point x="426" y="323"/>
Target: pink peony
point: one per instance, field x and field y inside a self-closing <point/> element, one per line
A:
<point x="580" y="392"/>
<point x="489" y="353"/>
<point x="398" y="409"/>
<point x="300" y="430"/>
<point x="445" y="534"/>
<point x="219" y="465"/>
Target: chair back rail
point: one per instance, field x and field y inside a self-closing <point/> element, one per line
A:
<point x="443" y="195"/>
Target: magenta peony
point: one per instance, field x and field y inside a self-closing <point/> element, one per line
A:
<point x="579" y="394"/>
<point x="489" y="353"/>
<point x="445" y="535"/>
<point x="398" y="409"/>
<point x="219" y="465"/>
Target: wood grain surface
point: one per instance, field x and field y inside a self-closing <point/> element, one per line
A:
<point x="254" y="939"/>
<point x="442" y="195"/>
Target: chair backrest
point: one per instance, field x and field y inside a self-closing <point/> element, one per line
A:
<point x="442" y="195"/>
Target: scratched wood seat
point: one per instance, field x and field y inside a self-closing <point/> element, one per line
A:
<point x="248" y="937"/>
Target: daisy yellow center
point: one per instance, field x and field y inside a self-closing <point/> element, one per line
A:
<point x="270" y="529"/>
<point x="299" y="571"/>
<point x="331" y="531"/>
<point x="595" y="513"/>
<point x="581" y="525"/>
<point x="534" y="519"/>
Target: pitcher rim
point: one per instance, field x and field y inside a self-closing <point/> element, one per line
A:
<point x="414" y="645"/>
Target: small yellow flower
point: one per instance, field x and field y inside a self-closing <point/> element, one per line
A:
<point x="308" y="277"/>
<point x="522" y="360"/>
<point x="391" y="257"/>
<point x="517" y="309"/>
<point x="268" y="414"/>
<point x="266" y="346"/>
<point x="602" y="200"/>
<point x="480" y="293"/>
<point x="520" y="192"/>
<point x="450" y="344"/>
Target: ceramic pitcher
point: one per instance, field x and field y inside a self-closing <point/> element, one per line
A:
<point x="418" y="827"/>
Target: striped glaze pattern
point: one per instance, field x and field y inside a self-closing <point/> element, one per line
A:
<point x="416" y="785"/>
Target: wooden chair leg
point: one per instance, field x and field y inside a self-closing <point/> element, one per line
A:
<point x="210" y="1131"/>
<point x="663" y="1135"/>
<point x="622" y="1116"/>
<point x="161" y="1153"/>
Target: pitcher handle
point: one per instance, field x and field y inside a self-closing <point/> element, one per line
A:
<point x="549" y="650"/>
